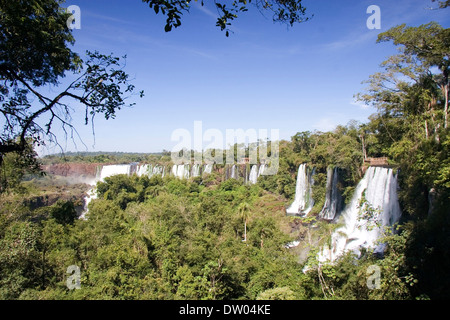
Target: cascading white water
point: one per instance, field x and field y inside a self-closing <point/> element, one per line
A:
<point x="374" y="206"/>
<point x="150" y="170"/>
<point x="174" y="170"/>
<point x="196" y="170"/>
<point x="261" y="169"/>
<point x="309" y="198"/>
<point x="253" y="176"/>
<point x="333" y="198"/>
<point x="233" y="172"/>
<point x="115" y="169"/>
<point x="106" y="171"/>
<point x="128" y="169"/>
<point x="91" y="195"/>
<point x="207" y="168"/>
<point x="144" y="170"/>
<point x="303" y="201"/>
<point x="187" y="171"/>
<point x="180" y="171"/>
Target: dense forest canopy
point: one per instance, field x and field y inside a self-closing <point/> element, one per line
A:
<point x="207" y="237"/>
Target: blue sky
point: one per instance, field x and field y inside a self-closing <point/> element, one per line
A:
<point x="265" y="75"/>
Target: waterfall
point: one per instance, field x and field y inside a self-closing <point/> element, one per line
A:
<point x="91" y="195"/>
<point x="207" y="168"/>
<point x="261" y="169"/>
<point x="128" y="169"/>
<point x="303" y="201"/>
<point x="374" y="206"/>
<point x="196" y="170"/>
<point x="150" y="170"/>
<point x="233" y="172"/>
<point x="309" y="198"/>
<point x="187" y="171"/>
<point x="106" y="171"/>
<point x="253" y="177"/>
<point x="333" y="199"/>
<point x="115" y="169"/>
<point x="174" y="170"/>
<point x="144" y="170"/>
<point x="181" y="171"/>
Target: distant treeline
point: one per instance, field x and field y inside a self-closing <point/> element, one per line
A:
<point x="105" y="157"/>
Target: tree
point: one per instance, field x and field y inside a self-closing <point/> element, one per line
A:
<point x="19" y="259"/>
<point x="427" y="46"/>
<point x="411" y="95"/>
<point x="243" y="211"/>
<point x="443" y="4"/>
<point x="284" y="293"/>
<point x="327" y="230"/>
<point x="16" y="165"/>
<point x="34" y="56"/>
<point x="290" y="11"/>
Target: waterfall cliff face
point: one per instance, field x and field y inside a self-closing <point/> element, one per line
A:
<point x="373" y="208"/>
<point x="333" y="198"/>
<point x="159" y="170"/>
<point x="303" y="201"/>
<point x="149" y="170"/>
<point x="145" y="169"/>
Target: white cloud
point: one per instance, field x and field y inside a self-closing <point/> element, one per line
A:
<point x="366" y="36"/>
<point x="359" y="104"/>
<point x="205" y="10"/>
<point x="325" y="124"/>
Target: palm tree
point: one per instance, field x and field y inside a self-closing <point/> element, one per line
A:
<point x="243" y="211"/>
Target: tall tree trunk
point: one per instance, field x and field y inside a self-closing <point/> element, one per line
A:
<point x="363" y="148"/>
<point x="446" y="105"/>
<point x="444" y="89"/>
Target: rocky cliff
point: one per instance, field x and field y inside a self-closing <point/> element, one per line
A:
<point x="87" y="170"/>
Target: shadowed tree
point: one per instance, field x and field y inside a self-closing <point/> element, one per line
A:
<point x="443" y="4"/>
<point x="34" y="58"/>
<point x="289" y="11"/>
